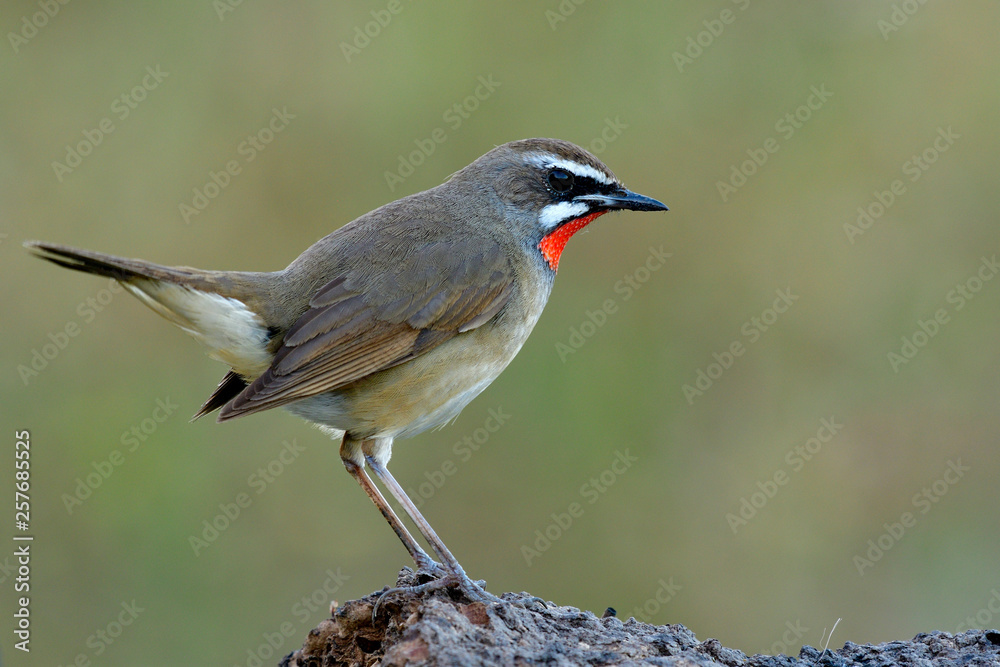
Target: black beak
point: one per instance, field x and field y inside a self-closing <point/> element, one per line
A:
<point x="623" y="199"/>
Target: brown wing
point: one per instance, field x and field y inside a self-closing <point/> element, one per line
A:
<point x="412" y="304"/>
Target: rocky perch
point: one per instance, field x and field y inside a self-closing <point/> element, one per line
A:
<point x="443" y="628"/>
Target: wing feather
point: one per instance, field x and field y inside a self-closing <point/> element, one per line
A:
<point x="347" y="333"/>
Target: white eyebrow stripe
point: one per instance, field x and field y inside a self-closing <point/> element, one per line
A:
<point x="554" y="215"/>
<point x="548" y="161"/>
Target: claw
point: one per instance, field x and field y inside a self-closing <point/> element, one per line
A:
<point x="433" y="569"/>
<point x="443" y="582"/>
<point x="474" y="590"/>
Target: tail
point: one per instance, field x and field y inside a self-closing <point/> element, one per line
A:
<point x="219" y="308"/>
<point x="120" y="268"/>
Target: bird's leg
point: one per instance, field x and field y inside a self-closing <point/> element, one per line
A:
<point x="351" y="450"/>
<point x="457" y="576"/>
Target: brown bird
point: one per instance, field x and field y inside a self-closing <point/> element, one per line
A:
<point x="390" y="325"/>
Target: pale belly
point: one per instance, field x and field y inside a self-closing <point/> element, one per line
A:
<point x="432" y="389"/>
<point x="423" y="393"/>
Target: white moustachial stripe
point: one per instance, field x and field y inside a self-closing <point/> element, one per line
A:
<point x="554" y="215"/>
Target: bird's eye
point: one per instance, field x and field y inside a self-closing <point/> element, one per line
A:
<point x="560" y="180"/>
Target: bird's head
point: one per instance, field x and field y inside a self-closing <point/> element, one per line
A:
<point x="551" y="189"/>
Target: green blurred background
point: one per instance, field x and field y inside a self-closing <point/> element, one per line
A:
<point x="609" y="77"/>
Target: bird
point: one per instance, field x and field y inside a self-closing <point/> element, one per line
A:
<point x="394" y="322"/>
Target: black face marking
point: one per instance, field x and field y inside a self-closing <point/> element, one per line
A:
<point x="565" y="186"/>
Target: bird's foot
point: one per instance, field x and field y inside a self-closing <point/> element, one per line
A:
<point x="431" y="569"/>
<point x="474" y="590"/>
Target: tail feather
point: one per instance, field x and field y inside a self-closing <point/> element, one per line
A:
<point x="121" y="269"/>
<point x="231" y="386"/>
<point x="219" y="308"/>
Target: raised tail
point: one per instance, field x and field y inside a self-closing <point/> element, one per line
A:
<point x="219" y="308"/>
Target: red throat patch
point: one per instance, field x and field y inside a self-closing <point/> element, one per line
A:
<point x="553" y="243"/>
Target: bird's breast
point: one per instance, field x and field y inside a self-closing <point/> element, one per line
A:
<point x="429" y="390"/>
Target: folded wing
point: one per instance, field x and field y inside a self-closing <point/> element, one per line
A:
<point x="366" y="321"/>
